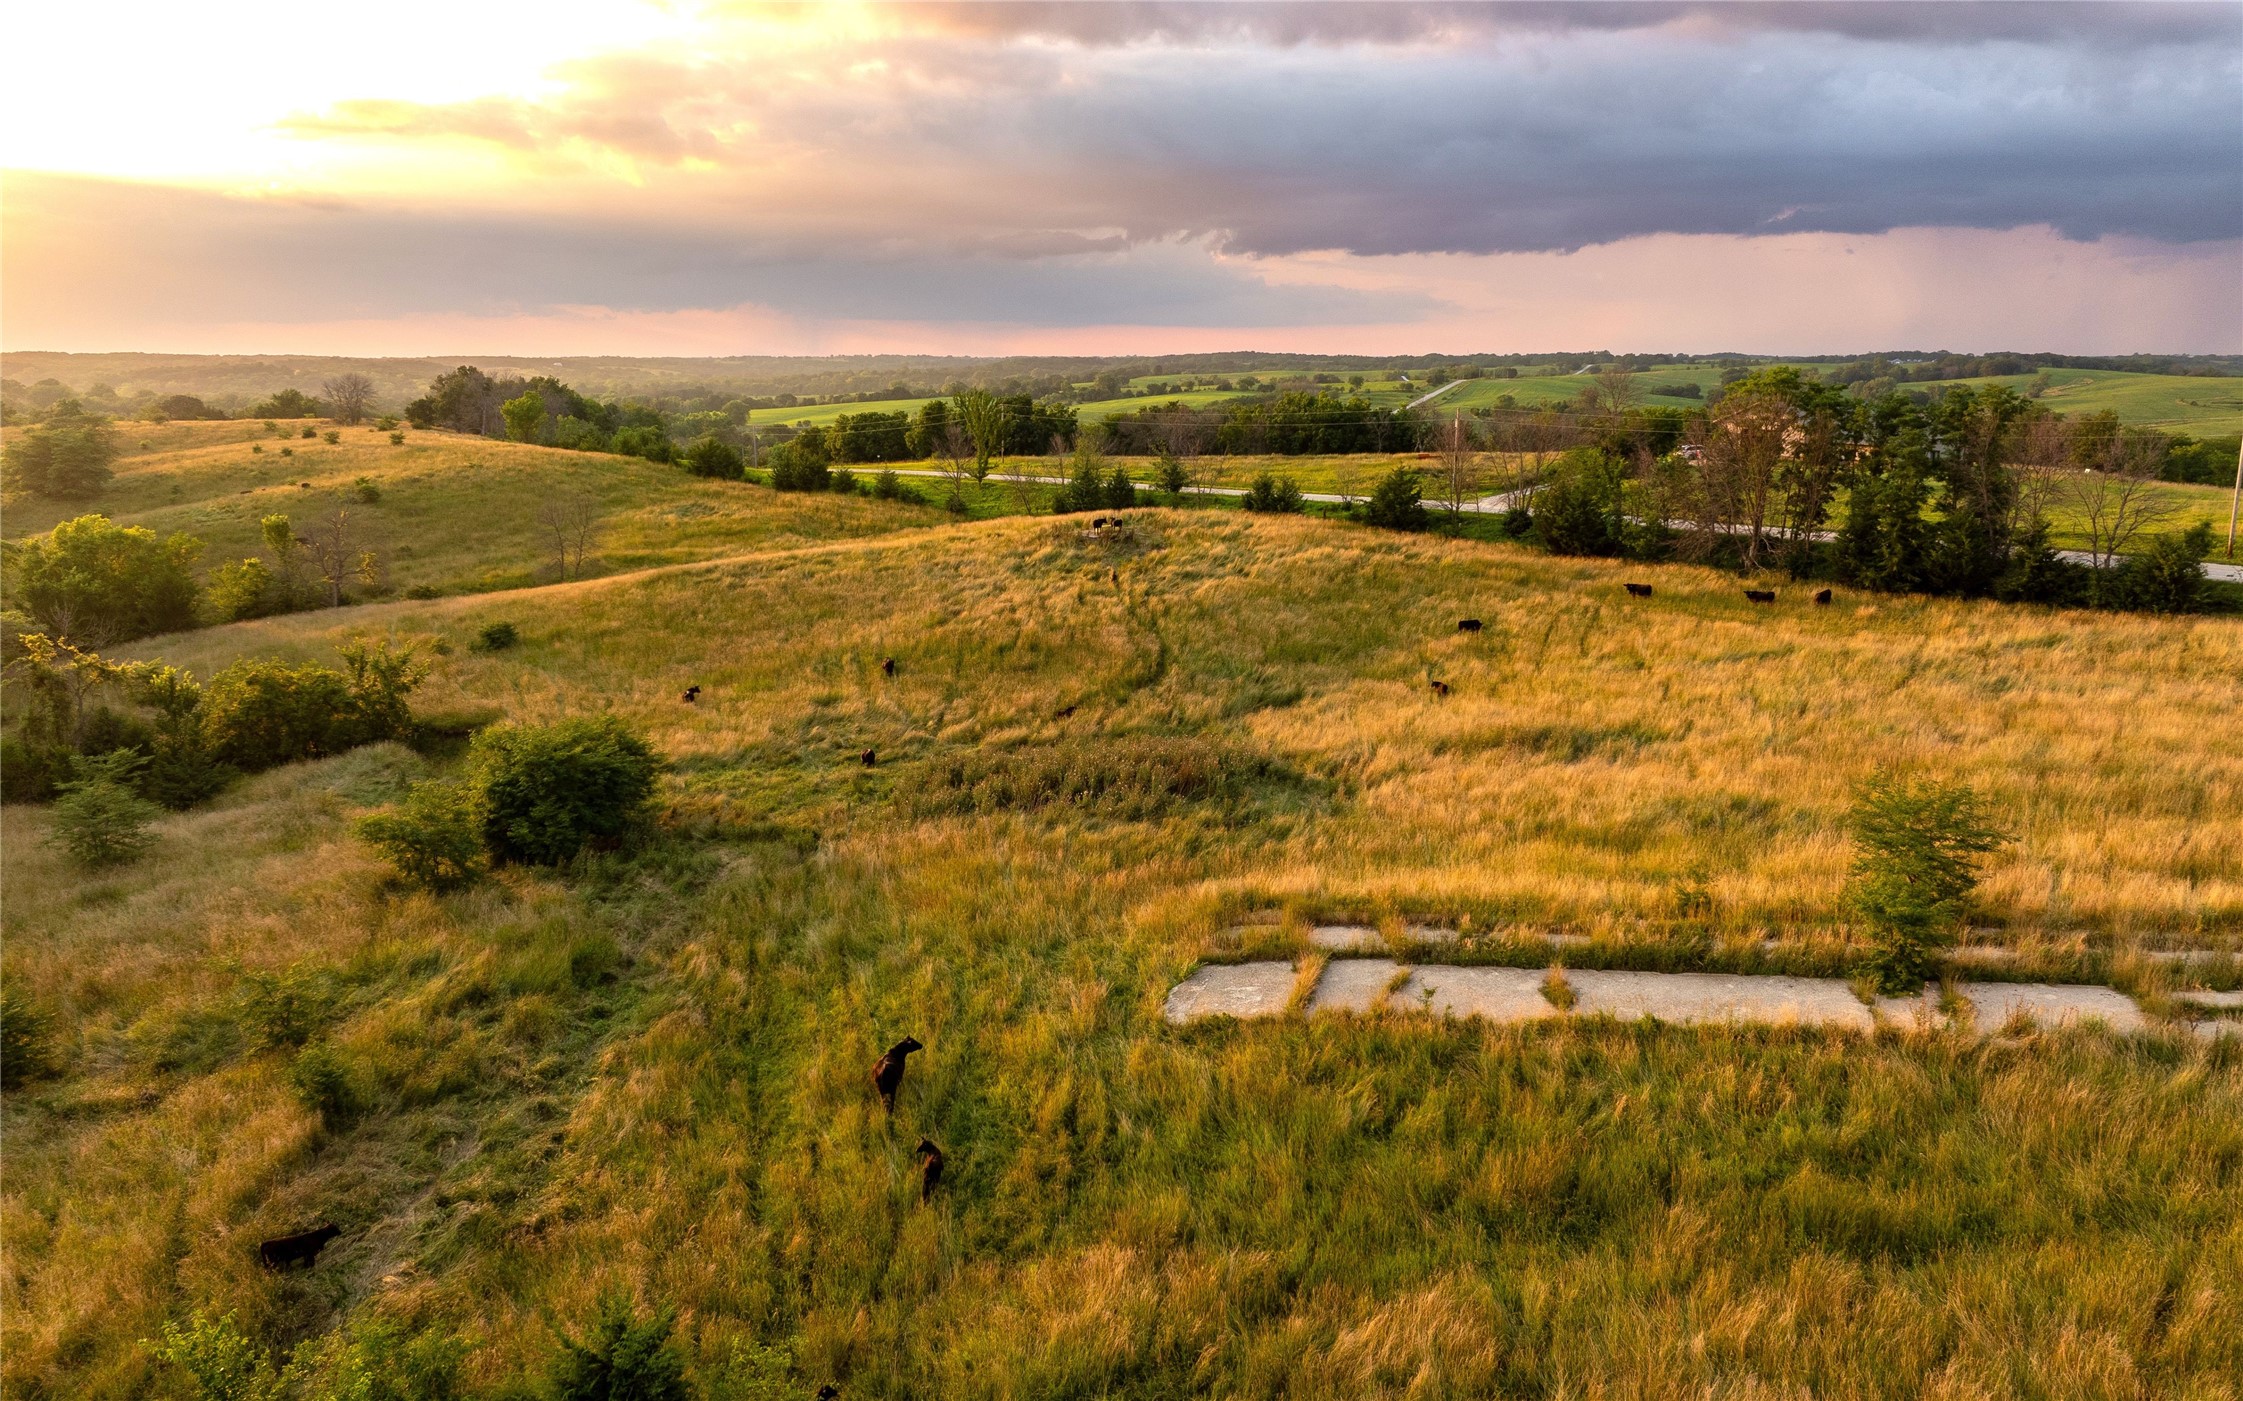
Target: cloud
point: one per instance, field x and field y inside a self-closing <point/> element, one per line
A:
<point x="1524" y="128"/>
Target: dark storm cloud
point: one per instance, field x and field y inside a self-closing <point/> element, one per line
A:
<point x="1403" y="129"/>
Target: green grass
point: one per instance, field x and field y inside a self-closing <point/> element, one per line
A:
<point x="650" y="1073"/>
<point x="2202" y="406"/>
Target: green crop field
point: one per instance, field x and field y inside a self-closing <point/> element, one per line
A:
<point x="648" y="1072"/>
<point x="2204" y="406"/>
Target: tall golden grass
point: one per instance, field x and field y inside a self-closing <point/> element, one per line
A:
<point x="650" y="1073"/>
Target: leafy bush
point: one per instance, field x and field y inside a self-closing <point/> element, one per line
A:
<point x="1170" y="472"/>
<point x="90" y="578"/>
<point x="30" y="771"/>
<point x="242" y="590"/>
<point x="259" y="713"/>
<point x="1120" y="493"/>
<point x="497" y="637"/>
<point x="1917" y="847"/>
<point x="1273" y="495"/>
<point x="284" y="1009"/>
<point x="890" y="487"/>
<point x="645" y="440"/>
<point x="1579" y="511"/>
<point x="2168" y="577"/>
<point x="797" y="466"/>
<point x="396" y="439"/>
<point x="365" y="490"/>
<point x="99" y="819"/>
<point x="308" y="433"/>
<point x="548" y="791"/>
<point x="223" y="1362"/>
<point x="331" y="436"/>
<point x="1395" y="504"/>
<point x="843" y="481"/>
<point x="434" y="838"/>
<point x="749" y="1371"/>
<point x="622" y="1356"/>
<point x="26" y="1038"/>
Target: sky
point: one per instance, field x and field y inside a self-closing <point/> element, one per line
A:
<point x="692" y="178"/>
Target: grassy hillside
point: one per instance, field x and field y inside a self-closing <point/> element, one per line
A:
<point x="2197" y="405"/>
<point x="457" y="513"/>
<point x="650" y="1074"/>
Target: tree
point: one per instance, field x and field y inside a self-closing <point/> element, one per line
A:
<point x="1395" y="505"/>
<point x="1169" y="470"/>
<point x="2116" y="500"/>
<point x="338" y="553"/>
<point x="1885" y="541"/>
<point x="1273" y="495"/>
<point x="713" y="457"/>
<point x="350" y="398"/>
<point x="1121" y="492"/>
<point x="1615" y="390"/>
<point x="434" y="838"/>
<point x="568" y="521"/>
<point x="1738" y="469"/>
<point x="1579" y="511"/>
<point x="525" y="417"/>
<point x="288" y="403"/>
<point x="986" y="422"/>
<point x="98" y="582"/>
<point x="1917" y="849"/>
<point x="99" y="819"/>
<point x="2168" y="577"/>
<point x="1460" y="470"/>
<point x="66" y="458"/>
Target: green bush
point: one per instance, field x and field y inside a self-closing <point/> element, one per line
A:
<point x="799" y="465"/>
<point x="1579" y="511"/>
<point x="258" y="713"/>
<point x="713" y="457"/>
<point x="1273" y="495"/>
<point x="285" y="1009"/>
<point x="99" y="820"/>
<point x="31" y="772"/>
<point x="396" y="440"/>
<point x="548" y="791"/>
<point x="221" y="1360"/>
<point x="497" y="637"/>
<point x="331" y="436"/>
<point x="434" y="838"/>
<point x="67" y="458"/>
<point x="91" y="578"/>
<point x="1396" y="502"/>
<point x="623" y="1357"/>
<point x="842" y="481"/>
<point x="365" y="489"/>
<point x="1917" y="848"/>
<point x="2168" y="577"/>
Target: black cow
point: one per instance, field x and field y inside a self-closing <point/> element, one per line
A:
<point x="1822" y="597"/>
<point x="1063" y="713"/>
<point x="887" y="1072"/>
<point x="829" y="1392"/>
<point x="1098" y="523"/>
<point x="1468" y="625"/>
<point x="1637" y="590"/>
<point x="868" y="758"/>
<point x="1761" y="595"/>
<point x="692" y="694"/>
<point x="887" y="666"/>
<point x="301" y="1248"/>
<point x="1440" y="688"/>
<point x="930" y="1167"/>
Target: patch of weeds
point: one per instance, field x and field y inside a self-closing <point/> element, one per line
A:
<point x="1130" y="777"/>
<point x="1557" y="991"/>
<point x="498" y="637"/>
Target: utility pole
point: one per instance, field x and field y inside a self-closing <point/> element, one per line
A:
<point x="2235" y="502"/>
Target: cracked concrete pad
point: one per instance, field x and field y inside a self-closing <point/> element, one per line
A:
<point x="2211" y="999"/>
<point x="2051" y="1004"/>
<point x="1232" y="990"/>
<point x="1499" y="994"/>
<point x="1353" y="984"/>
<point x="1719" y="997"/>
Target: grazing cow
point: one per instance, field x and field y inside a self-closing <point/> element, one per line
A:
<point x="887" y="666"/>
<point x="930" y="1168"/>
<point x="1468" y="625"/>
<point x="1063" y="714"/>
<point x="1822" y="597"/>
<point x="301" y="1248"/>
<point x="1761" y="595"/>
<point x="1098" y="523"/>
<point x="692" y="694"/>
<point x="887" y="1072"/>
<point x="829" y="1392"/>
<point x="1440" y="688"/>
<point x="1637" y="590"/>
<point x="868" y="758"/>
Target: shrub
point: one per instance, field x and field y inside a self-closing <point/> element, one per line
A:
<point x="424" y="592"/>
<point x="259" y="713"/>
<point x="795" y="466"/>
<point x="495" y="638"/>
<point x="548" y="791"/>
<point x="622" y="1356"/>
<point x="889" y="487"/>
<point x="1120" y="493"/>
<point x="365" y="490"/>
<point x="99" y="820"/>
<point x="67" y="458"/>
<point x="1396" y="503"/>
<point x="1170" y="473"/>
<point x="842" y="480"/>
<point x="1273" y="495"/>
<point x="396" y="439"/>
<point x="288" y="452"/>
<point x="1518" y="522"/>
<point x="386" y="423"/>
<point x="1579" y="511"/>
<point x="308" y="433"/>
<point x="713" y="457"/>
<point x="31" y="771"/>
<point x="2168" y="577"/>
<point x="332" y="436"/>
<point x="26" y="1039"/>
<point x="94" y="579"/>
<point x="284" y="1009"/>
<point x="1917" y="847"/>
<point x="224" y="1364"/>
<point x="1129" y="777"/>
<point x="434" y="838"/>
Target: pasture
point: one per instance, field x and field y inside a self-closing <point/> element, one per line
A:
<point x="649" y="1073"/>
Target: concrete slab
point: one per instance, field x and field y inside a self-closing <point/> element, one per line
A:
<point x="2210" y="999"/>
<point x="1232" y="990"/>
<point x="2051" y="1004"/>
<point x="1498" y="994"/>
<point x="1353" y="984"/>
<point x="1719" y="997"/>
<point x="1347" y="938"/>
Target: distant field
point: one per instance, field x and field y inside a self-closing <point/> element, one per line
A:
<point x="2202" y="405"/>
<point x="456" y="513"/>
